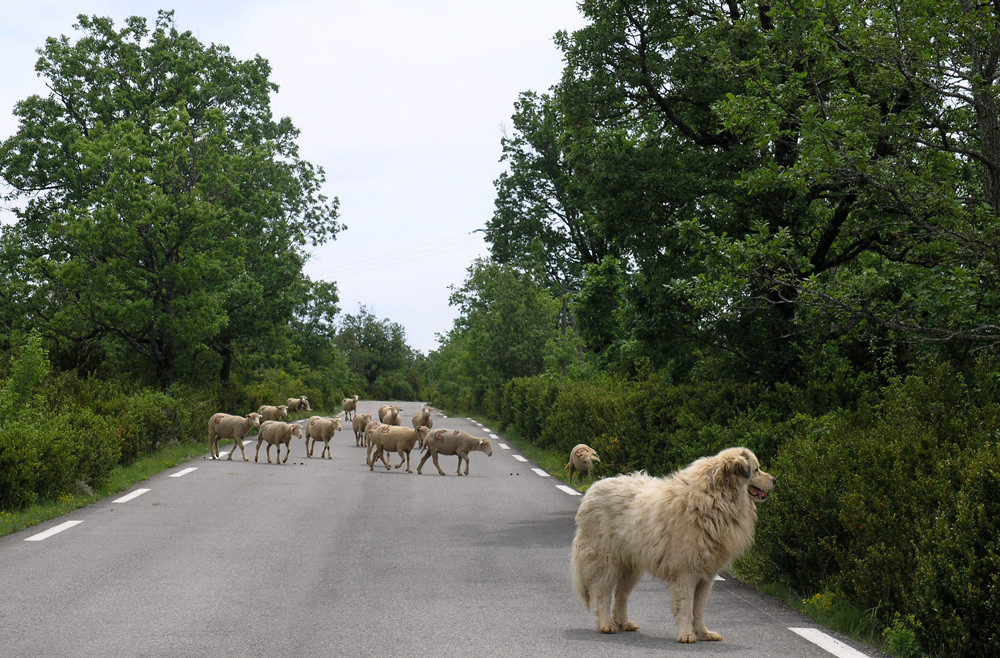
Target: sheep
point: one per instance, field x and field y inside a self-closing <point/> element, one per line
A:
<point x="359" y="423"/>
<point x="372" y="427"/>
<point x="299" y="404"/>
<point x="389" y="438"/>
<point x="389" y="414"/>
<point x="453" y="442"/>
<point x="268" y="412"/>
<point x="423" y="417"/>
<point x="275" y="433"/>
<point x="224" y="426"/>
<point x="350" y="405"/>
<point x="581" y="460"/>
<point x="321" y="429"/>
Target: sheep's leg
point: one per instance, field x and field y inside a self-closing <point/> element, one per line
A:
<point x="288" y="451"/>
<point x="259" y="440"/>
<point x="437" y="465"/>
<point x="420" y="466"/>
<point x="401" y="460"/>
<point x="243" y="451"/>
<point x="326" y="450"/>
<point x="460" y="457"/>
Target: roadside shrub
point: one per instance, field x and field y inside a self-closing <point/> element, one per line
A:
<point x="956" y="583"/>
<point x="19" y="462"/>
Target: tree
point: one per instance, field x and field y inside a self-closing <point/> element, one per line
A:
<point x="374" y="348"/>
<point x="165" y="207"/>
<point x="506" y="319"/>
<point x="772" y="177"/>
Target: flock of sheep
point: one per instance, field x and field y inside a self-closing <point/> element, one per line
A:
<point x="380" y="437"/>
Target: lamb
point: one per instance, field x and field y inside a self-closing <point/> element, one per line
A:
<point x="453" y="442"/>
<point x="389" y="438"/>
<point x="350" y="405"/>
<point x="275" y="433"/>
<point x="225" y="426"/>
<point x="321" y="429"/>
<point x="268" y="412"/>
<point x="359" y="423"/>
<point x="581" y="460"/>
<point x="299" y="405"/>
<point x="389" y="414"/>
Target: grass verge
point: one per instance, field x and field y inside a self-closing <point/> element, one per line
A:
<point x="122" y="478"/>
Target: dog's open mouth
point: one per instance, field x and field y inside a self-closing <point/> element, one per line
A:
<point x="757" y="493"/>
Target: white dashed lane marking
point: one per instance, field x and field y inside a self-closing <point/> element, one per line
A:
<point x="53" y="531"/>
<point x="520" y="458"/>
<point x="135" y="494"/>
<point x="827" y="643"/>
<point x="540" y="472"/>
<point x="184" y="472"/>
<point x="504" y="446"/>
<point x="569" y="490"/>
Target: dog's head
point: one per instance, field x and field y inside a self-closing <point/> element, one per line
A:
<point x="741" y="467"/>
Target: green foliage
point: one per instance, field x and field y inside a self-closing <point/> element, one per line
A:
<point x="21" y="393"/>
<point x="373" y="348"/>
<point x="163" y="217"/>
<point x="956" y="580"/>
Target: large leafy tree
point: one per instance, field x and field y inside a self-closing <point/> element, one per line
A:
<point x="774" y="176"/>
<point x="162" y="207"/>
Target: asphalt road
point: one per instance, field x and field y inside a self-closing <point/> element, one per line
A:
<point x="323" y="557"/>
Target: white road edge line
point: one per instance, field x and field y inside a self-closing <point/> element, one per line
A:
<point x="570" y="491"/>
<point x="53" y="531"/>
<point x="540" y="472"/>
<point x="519" y="458"/>
<point x="827" y="643"/>
<point x="127" y="497"/>
<point x="184" y="472"/>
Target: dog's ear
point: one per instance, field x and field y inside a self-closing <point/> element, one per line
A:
<point x="739" y="465"/>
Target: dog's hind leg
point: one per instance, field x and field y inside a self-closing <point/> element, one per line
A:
<point x="701" y="592"/>
<point x="627" y="580"/>
<point x="601" y="590"/>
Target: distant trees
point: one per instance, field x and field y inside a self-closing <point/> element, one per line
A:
<point x="163" y="207"/>
<point x="374" y="348"/>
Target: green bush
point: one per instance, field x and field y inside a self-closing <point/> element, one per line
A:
<point x="19" y="465"/>
<point x="956" y="584"/>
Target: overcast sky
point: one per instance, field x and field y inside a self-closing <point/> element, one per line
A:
<point x="403" y="104"/>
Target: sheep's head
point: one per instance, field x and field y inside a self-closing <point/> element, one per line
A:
<point x="254" y="418"/>
<point x="297" y="431"/>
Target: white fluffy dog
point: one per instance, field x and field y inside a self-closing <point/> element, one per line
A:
<point x="683" y="528"/>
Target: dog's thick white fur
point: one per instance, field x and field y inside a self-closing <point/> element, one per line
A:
<point x="683" y="528"/>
